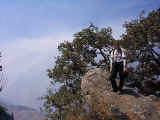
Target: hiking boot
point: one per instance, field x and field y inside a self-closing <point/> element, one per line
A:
<point x="115" y="90"/>
<point x="121" y="91"/>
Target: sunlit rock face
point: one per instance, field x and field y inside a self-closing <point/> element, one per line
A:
<point x="95" y="81"/>
<point x="96" y="88"/>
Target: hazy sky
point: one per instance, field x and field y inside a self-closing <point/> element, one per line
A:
<point x="30" y="31"/>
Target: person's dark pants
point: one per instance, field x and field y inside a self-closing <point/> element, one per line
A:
<point x="117" y="67"/>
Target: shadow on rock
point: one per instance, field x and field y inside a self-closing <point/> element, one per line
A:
<point x="117" y="115"/>
<point x="129" y="91"/>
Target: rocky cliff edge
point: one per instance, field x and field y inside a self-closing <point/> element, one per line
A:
<point x="96" y="88"/>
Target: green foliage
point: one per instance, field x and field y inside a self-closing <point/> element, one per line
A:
<point x="3" y="108"/>
<point x="142" y="39"/>
<point x="63" y="101"/>
<point x="89" y="49"/>
<point x="86" y="51"/>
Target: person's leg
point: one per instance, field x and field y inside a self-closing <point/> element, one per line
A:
<point x="121" y="74"/>
<point x="112" y="78"/>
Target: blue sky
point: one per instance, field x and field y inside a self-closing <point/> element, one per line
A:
<point x="36" y="18"/>
<point x="30" y="31"/>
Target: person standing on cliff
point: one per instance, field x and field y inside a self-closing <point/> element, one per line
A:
<point x="117" y="65"/>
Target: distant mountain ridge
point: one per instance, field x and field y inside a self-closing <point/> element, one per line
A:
<point x="21" y="107"/>
<point x="21" y="112"/>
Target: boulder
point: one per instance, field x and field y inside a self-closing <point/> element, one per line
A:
<point x="150" y="86"/>
<point x="108" y="105"/>
<point x="5" y="115"/>
<point x="95" y="80"/>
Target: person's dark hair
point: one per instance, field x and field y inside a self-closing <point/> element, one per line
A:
<point x="117" y="46"/>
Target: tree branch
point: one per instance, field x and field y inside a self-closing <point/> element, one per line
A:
<point x="104" y="56"/>
<point x="155" y="59"/>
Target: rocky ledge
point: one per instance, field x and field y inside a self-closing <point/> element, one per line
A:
<point x="96" y="88"/>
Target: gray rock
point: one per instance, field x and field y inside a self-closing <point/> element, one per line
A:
<point x="130" y="105"/>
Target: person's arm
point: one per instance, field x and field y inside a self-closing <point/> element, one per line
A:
<point x="124" y="59"/>
<point x="111" y="61"/>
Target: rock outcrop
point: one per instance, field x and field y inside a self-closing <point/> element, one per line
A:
<point x="96" y="88"/>
<point x="4" y="115"/>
